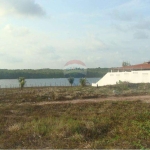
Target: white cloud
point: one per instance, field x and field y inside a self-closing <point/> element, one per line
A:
<point x="88" y="43"/>
<point x="92" y="39"/>
<point x="140" y="35"/>
<point x="93" y="43"/>
<point x="130" y="11"/>
<point x="27" y="48"/>
<point x="21" y="8"/>
<point x="21" y="31"/>
<point x="143" y="24"/>
<point x="122" y="15"/>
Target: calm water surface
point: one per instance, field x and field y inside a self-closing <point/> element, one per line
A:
<point x="11" y="83"/>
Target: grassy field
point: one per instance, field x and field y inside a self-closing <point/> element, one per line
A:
<point x="38" y="94"/>
<point x="108" y="124"/>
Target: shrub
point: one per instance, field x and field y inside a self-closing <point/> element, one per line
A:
<point x="22" y="82"/>
<point x="122" y="85"/>
<point x="71" y="80"/>
<point x="83" y="82"/>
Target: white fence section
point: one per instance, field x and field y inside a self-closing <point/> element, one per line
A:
<point x="133" y="77"/>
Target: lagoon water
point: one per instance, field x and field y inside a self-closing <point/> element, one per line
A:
<point x="13" y="83"/>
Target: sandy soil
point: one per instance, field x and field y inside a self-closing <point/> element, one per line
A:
<point x="143" y="98"/>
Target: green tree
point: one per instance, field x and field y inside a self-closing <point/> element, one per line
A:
<point x="125" y="63"/>
<point x="71" y="80"/>
<point x="83" y="82"/>
<point x="22" y="82"/>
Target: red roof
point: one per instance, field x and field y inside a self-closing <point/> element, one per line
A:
<point x="144" y="66"/>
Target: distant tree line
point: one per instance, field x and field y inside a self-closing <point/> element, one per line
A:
<point x="97" y="72"/>
<point x="30" y="73"/>
<point x="47" y="73"/>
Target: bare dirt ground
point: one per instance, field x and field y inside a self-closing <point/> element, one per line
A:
<point x="142" y="98"/>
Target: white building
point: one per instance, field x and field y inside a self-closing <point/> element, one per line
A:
<point x="140" y="74"/>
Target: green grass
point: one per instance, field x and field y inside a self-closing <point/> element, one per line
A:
<point x="90" y="125"/>
<point x="111" y="124"/>
<point x="38" y="94"/>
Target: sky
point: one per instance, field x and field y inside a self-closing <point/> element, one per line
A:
<point x="37" y="34"/>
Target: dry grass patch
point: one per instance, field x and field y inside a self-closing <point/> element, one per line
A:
<point x="15" y="127"/>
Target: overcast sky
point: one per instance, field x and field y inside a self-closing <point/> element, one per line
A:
<point x="48" y="33"/>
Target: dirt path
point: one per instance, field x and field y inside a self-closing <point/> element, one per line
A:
<point x="143" y="98"/>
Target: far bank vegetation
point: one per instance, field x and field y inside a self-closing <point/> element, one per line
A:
<point x="47" y="73"/>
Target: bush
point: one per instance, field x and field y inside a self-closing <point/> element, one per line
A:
<point x="122" y="85"/>
<point x="83" y="82"/>
<point x="71" y="80"/>
<point x="22" y="82"/>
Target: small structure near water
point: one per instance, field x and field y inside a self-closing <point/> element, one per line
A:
<point x="134" y="74"/>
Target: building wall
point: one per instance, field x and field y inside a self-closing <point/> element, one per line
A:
<point x="133" y="77"/>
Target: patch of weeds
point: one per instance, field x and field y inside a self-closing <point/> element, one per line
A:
<point x="145" y="126"/>
<point x="53" y="95"/>
<point x="15" y="127"/>
<point x="89" y="96"/>
<point x="59" y="97"/>
<point x="122" y="85"/>
<point x="138" y="145"/>
<point x="39" y="126"/>
<point x="69" y="97"/>
<point x="77" y="137"/>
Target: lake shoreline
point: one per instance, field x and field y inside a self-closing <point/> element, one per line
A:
<point x="13" y="83"/>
